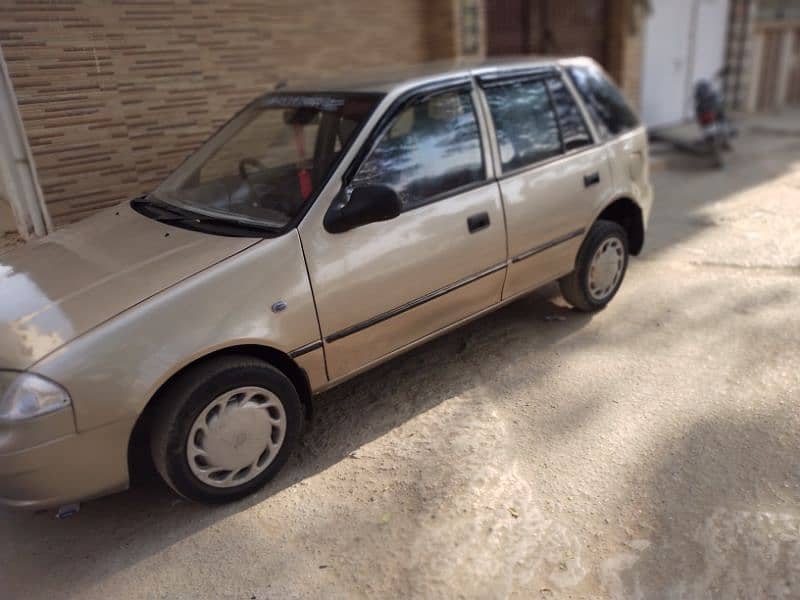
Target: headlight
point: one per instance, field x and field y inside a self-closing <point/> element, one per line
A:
<point x="25" y="395"/>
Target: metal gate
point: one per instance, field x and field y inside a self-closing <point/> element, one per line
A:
<point x="778" y="73"/>
<point x="565" y="27"/>
<point x="684" y="42"/>
<point x="507" y="33"/>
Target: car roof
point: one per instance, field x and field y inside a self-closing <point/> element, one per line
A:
<point x="389" y="79"/>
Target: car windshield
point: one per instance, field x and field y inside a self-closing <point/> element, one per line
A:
<point x="265" y="165"/>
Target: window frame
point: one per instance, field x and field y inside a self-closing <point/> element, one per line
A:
<point x="417" y="94"/>
<point x="539" y="74"/>
<point x="581" y="110"/>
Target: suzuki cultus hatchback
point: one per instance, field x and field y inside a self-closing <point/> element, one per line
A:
<point x="321" y="231"/>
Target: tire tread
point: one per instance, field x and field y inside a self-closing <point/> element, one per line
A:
<point x="173" y="400"/>
<point x="573" y="285"/>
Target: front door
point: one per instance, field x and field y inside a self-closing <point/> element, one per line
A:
<point x="384" y="285"/>
<point x="551" y="177"/>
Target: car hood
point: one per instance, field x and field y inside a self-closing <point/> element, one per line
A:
<point x="57" y="288"/>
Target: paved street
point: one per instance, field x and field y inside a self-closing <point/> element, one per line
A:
<point x="649" y="451"/>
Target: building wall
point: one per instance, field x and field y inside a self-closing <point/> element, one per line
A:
<point x="114" y="95"/>
<point x="775" y="80"/>
<point x="739" y="53"/>
<point x="610" y="31"/>
<point x="685" y="42"/>
<point x="440" y="28"/>
<point x="625" y="45"/>
<point x="7" y="221"/>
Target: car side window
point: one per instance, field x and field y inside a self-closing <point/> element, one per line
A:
<point x="432" y="147"/>
<point x="573" y="128"/>
<point x="524" y="122"/>
<point x="605" y="103"/>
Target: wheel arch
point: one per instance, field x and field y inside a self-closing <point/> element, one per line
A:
<point x="625" y="211"/>
<point x="139" y="461"/>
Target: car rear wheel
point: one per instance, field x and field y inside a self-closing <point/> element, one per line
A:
<point x="225" y="428"/>
<point x="599" y="269"/>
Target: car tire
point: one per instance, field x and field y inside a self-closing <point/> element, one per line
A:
<point x="218" y="414"/>
<point x="605" y="249"/>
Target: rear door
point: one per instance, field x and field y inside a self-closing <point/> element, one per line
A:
<point x="617" y="126"/>
<point x="384" y="285"/>
<point x="552" y="174"/>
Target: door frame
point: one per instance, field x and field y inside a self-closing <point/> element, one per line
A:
<point x="312" y="225"/>
<point x="19" y="183"/>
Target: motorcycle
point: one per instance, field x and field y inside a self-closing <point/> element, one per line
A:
<point x="716" y="129"/>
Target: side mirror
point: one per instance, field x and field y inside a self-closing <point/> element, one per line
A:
<point x="367" y="204"/>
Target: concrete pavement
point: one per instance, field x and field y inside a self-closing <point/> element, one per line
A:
<point x="649" y="451"/>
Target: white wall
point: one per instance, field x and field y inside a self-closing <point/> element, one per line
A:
<point x="712" y="32"/>
<point x="684" y="42"/>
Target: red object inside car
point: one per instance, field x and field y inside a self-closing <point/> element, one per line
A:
<point x="303" y="175"/>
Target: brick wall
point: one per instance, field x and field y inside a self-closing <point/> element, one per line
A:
<point x="114" y="94"/>
<point x="571" y="27"/>
<point x="625" y="44"/>
<point x="440" y="25"/>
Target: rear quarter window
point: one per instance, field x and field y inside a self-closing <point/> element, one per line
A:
<point x="607" y="106"/>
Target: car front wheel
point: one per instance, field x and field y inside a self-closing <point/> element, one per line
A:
<point x="599" y="269"/>
<point x="224" y="428"/>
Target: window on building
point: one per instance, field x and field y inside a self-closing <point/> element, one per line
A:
<point x="524" y="122"/>
<point x="431" y="148"/>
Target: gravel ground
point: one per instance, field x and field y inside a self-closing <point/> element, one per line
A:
<point x="649" y="451"/>
<point x="9" y="241"/>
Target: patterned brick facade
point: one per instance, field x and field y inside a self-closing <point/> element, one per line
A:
<point x="624" y="44"/>
<point x="115" y="93"/>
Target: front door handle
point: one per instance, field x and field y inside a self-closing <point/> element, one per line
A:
<point x="478" y="222"/>
<point x="590" y="180"/>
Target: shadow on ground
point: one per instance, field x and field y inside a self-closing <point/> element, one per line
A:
<point x="149" y="518"/>
<point x="723" y="513"/>
<point x="696" y="482"/>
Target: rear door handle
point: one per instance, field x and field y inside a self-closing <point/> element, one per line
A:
<point x="478" y="222"/>
<point x="590" y="180"/>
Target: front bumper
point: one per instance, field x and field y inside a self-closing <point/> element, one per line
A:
<point x="66" y="469"/>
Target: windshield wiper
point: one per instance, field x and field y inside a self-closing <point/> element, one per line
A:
<point x="165" y="212"/>
<point x="160" y="210"/>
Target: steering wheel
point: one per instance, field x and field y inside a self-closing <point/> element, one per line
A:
<point x="243" y="172"/>
<point x="253" y="162"/>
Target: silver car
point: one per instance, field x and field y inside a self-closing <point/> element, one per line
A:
<point x="321" y="231"/>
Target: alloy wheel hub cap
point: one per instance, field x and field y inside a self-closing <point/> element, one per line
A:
<point x="236" y="437"/>
<point x="606" y="267"/>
